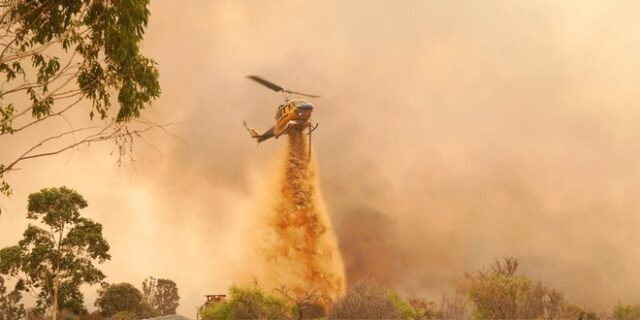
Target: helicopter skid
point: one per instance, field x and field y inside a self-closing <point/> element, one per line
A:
<point x="297" y="125"/>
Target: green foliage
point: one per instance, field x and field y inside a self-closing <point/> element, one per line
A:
<point x="123" y="299"/>
<point x="248" y="303"/>
<point x="124" y="315"/>
<point x="51" y="263"/>
<point x="161" y="294"/>
<point x="405" y="308"/>
<point x="35" y="314"/>
<point x="10" y="306"/>
<point x="626" y="311"/>
<point x="106" y="36"/>
<point x="499" y="292"/>
<point x="59" y="52"/>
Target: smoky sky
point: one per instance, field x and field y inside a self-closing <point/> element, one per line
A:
<point x="450" y="133"/>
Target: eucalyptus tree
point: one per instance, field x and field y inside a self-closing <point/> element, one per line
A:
<point x="59" y="55"/>
<point x="123" y="300"/>
<point x="161" y="294"/>
<point x="58" y="253"/>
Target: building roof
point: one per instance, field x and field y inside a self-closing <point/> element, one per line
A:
<point x="169" y="317"/>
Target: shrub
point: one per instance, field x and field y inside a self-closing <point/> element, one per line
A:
<point x="94" y="315"/>
<point x="307" y="303"/>
<point x="454" y="307"/>
<point x="368" y="300"/>
<point x="310" y="311"/>
<point x="500" y="292"/>
<point x="124" y="315"/>
<point x="425" y="309"/>
<point x="248" y="303"/>
<point x="402" y="305"/>
<point x="626" y="311"/>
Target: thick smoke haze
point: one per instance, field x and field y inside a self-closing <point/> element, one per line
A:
<point x="451" y="133"/>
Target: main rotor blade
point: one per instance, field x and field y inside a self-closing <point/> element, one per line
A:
<point x="302" y="94"/>
<point x="266" y="83"/>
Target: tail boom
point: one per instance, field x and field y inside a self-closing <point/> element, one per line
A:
<point x="256" y="135"/>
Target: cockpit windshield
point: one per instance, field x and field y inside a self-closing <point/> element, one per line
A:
<point x="303" y="105"/>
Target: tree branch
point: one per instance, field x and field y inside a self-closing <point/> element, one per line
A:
<point x="59" y="113"/>
<point x="51" y="94"/>
<point x="32" y="85"/>
<point x="120" y="131"/>
<point x="25" y="155"/>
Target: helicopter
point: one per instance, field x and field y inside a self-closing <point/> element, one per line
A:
<point x="292" y="114"/>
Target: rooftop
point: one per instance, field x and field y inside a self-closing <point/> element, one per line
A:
<point x="169" y="317"/>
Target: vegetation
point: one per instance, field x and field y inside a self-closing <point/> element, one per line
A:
<point x="161" y="294"/>
<point x="10" y="306"/>
<point x="309" y="304"/>
<point x="123" y="301"/>
<point x="368" y="300"/>
<point x="425" y="309"/>
<point x="56" y="54"/>
<point x="454" y="307"/>
<point x="626" y="311"/>
<point x="125" y="315"/>
<point x="249" y="303"/>
<point x="54" y="259"/>
<point x="500" y="292"/>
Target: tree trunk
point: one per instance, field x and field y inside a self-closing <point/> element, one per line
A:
<point x="56" y="287"/>
<point x="56" y="277"/>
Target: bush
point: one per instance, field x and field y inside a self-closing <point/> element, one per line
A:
<point x="306" y="303"/>
<point x="500" y="292"/>
<point x="425" y="309"/>
<point x="405" y="308"/>
<point x="94" y="315"/>
<point x="626" y="311"/>
<point x="248" y="303"/>
<point x="454" y="307"/>
<point x="124" y="315"/>
<point x="310" y="311"/>
<point x="368" y="300"/>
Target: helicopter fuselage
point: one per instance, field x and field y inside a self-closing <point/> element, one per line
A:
<point x="291" y="115"/>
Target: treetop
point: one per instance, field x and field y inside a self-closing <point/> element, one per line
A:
<point x="56" y="206"/>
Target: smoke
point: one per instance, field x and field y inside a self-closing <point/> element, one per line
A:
<point x="451" y="133"/>
<point x="294" y="243"/>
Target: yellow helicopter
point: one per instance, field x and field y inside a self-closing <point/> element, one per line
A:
<point x="293" y="114"/>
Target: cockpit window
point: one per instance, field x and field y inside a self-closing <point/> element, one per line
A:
<point x="303" y="105"/>
<point x="300" y="103"/>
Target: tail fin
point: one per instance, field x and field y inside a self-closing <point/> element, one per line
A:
<point x="254" y="133"/>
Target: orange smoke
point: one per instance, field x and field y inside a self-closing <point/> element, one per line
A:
<point x="296" y="245"/>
